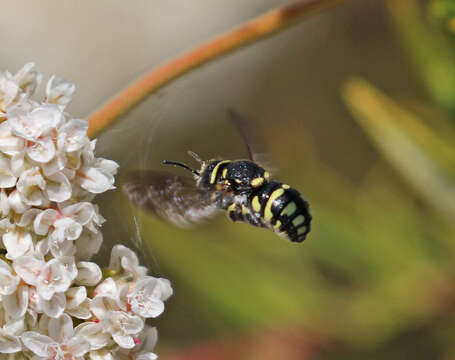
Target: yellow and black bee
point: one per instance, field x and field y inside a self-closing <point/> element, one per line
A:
<point x="241" y="187"/>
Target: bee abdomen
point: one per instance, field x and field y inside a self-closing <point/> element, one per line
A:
<point x="283" y="209"/>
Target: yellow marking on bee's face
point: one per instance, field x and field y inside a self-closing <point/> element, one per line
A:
<point x="301" y="230"/>
<point x="238" y="181"/>
<point x="266" y="175"/>
<point x="257" y="181"/>
<point x="224" y="173"/>
<point x="298" y="220"/>
<point x="244" y="210"/>
<point x="277" y="225"/>
<point x="289" y="209"/>
<point x="268" y="215"/>
<point x="215" y="171"/>
<point x="255" y="204"/>
<point x="285" y="186"/>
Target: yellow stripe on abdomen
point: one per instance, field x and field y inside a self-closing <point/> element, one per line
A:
<point x="298" y="220"/>
<point x="255" y="204"/>
<point x="268" y="215"/>
<point x="289" y="209"/>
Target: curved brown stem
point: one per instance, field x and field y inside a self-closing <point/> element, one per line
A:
<point x="252" y="31"/>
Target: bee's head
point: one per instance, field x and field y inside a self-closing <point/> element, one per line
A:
<point x="244" y="175"/>
<point x="210" y="176"/>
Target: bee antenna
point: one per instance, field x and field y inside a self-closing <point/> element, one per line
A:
<point x="240" y="124"/>
<point x="175" y="163"/>
<point x="195" y="156"/>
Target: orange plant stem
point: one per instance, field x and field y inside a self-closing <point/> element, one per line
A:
<point x="252" y="31"/>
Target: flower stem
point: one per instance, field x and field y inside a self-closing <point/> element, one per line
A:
<point x="249" y="32"/>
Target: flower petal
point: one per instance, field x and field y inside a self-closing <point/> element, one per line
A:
<point x="93" y="180"/>
<point x="9" y="343"/>
<point x="15" y="304"/>
<point x="89" y="273"/>
<point x="37" y="343"/>
<point x="58" y="188"/>
<point x="8" y="280"/>
<point x="61" y="328"/>
<point x="41" y="151"/>
<point x="18" y="242"/>
<point x="59" y="91"/>
<point x="73" y="135"/>
<point x="55" y="306"/>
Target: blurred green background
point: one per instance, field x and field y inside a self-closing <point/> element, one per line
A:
<point x="355" y="107"/>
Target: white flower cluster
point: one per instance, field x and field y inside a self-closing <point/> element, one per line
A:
<point x="54" y="303"/>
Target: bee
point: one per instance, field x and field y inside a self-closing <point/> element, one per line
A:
<point x="240" y="187"/>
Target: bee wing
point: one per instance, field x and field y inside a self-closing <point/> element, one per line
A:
<point x="171" y="197"/>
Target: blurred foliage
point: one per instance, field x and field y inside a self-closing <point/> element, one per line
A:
<point x="375" y="278"/>
<point x="425" y="158"/>
<point x="443" y="13"/>
<point x="432" y="53"/>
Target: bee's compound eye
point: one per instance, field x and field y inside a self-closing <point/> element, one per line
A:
<point x="267" y="175"/>
<point x="256" y="182"/>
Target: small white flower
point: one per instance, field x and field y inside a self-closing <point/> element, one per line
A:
<point x="123" y="258"/>
<point x="28" y="79"/>
<point x="29" y="268"/>
<point x="95" y="334"/>
<point x="53" y="278"/>
<point x="144" y="349"/>
<point x="123" y="327"/>
<point x="73" y="135"/>
<point x="49" y="278"/>
<point x="81" y="212"/>
<point x="61" y="343"/>
<point x="45" y="219"/>
<point x="107" y="298"/>
<point x="59" y="91"/>
<point x="89" y="273"/>
<point x="65" y="229"/>
<point x="49" y="176"/>
<point x="41" y="151"/>
<point x="147" y="297"/>
<point x="94" y="180"/>
<point x="31" y="125"/>
<point x="31" y="186"/>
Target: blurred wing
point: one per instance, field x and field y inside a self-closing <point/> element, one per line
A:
<point x="173" y="198"/>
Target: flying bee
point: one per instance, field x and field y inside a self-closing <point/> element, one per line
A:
<point x="240" y="187"/>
